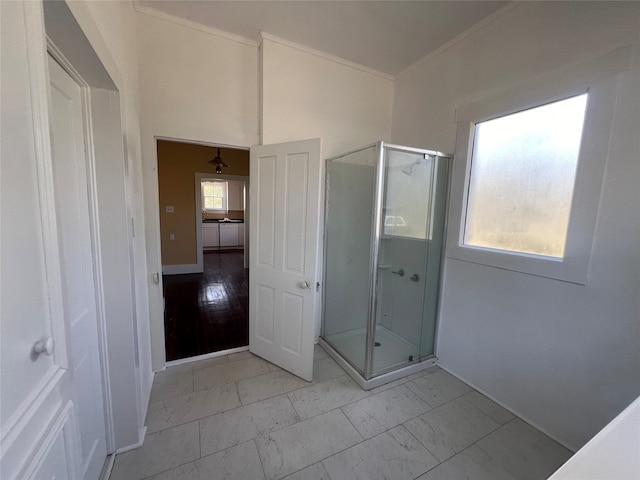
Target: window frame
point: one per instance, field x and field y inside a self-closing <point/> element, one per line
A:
<point x="601" y="87"/>
<point x="225" y="196"/>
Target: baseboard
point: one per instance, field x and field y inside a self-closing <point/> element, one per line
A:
<point x="206" y="356"/>
<point x="148" y="387"/>
<point x="181" y="269"/>
<point x="141" y="434"/>
<point x="108" y="466"/>
<point x="524" y="418"/>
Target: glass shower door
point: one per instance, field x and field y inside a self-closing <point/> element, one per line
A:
<point x="348" y="227"/>
<point x="403" y="255"/>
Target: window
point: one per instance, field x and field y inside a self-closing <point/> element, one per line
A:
<point x="528" y="170"/>
<point x="214" y="196"/>
<point x="523" y="168"/>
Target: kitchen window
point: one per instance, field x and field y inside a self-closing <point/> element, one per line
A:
<point x="214" y="196"/>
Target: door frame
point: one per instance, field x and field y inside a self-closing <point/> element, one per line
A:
<point x="201" y="176"/>
<point x="92" y="197"/>
<point x="197" y="267"/>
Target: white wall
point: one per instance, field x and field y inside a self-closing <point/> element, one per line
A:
<point x="110" y="29"/>
<point x="196" y="84"/>
<point x="565" y="357"/>
<point x="305" y="95"/>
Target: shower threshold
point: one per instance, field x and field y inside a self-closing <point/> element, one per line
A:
<point x="393" y="354"/>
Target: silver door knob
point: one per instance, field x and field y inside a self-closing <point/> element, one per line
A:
<point x="46" y="346"/>
<point x="304" y="284"/>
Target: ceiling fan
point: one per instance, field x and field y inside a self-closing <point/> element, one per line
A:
<point x="217" y="161"/>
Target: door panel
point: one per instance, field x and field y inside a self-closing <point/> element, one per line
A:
<point x="78" y="283"/>
<point x="285" y="206"/>
<point x="35" y="388"/>
<point x="265" y="210"/>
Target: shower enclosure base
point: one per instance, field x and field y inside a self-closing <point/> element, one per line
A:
<point x="380" y="379"/>
<point x="392" y="350"/>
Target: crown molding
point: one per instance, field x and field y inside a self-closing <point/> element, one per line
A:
<point x="152" y="12"/>
<point x="318" y="53"/>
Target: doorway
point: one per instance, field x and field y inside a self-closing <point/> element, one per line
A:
<point x="205" y="280"/>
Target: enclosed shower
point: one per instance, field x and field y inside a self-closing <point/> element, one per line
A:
<point x="384" y="231"/>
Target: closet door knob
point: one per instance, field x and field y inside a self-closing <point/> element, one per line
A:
<point x="46" y="346"/>
<point x="304" y="284"/>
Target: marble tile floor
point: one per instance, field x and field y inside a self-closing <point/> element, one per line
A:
<point x="240" y="417"/>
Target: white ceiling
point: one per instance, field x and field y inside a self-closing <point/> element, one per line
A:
<point x="387" y="36"/>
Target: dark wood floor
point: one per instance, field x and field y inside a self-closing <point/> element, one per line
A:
<point x="207" y="312"/>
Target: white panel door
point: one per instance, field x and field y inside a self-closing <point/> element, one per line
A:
<point x="78" y="283"/>
<point x="285" y="219"/>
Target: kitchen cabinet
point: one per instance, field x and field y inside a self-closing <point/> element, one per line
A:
<point x="228" y="235"/>
<point x="210" y="235"/>
<point x="241" y="234"/>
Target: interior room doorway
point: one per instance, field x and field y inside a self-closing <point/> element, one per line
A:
<point x="203" y="209"/>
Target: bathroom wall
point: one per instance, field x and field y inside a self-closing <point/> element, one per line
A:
<point x="565" y="357"/>
<point x="305" y="94"/>
<point x="196" y="84"/>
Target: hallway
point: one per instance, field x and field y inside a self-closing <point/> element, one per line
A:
<point x="207" y="312"/>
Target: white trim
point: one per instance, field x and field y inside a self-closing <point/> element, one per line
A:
<point x="206" y="356"/>
<point x="145" y="401"/>
<point x="199" y="177"/>
<point x="167" y="17"/>
<point x="31" y="403"/>
<point x="225" y="196"/>
<point x="62" y="425"/>
<point x="506" y="407"/>
<point x="326" y="56"/>
<point x="23" y="432"/>
<point x="108" y="466"/>
<point x="200" y="142"/>
<point x="598" y="77"/>
<point x="94" y="224"/>
<point x="460" y="37"/>
<point x="255" y="43"/>
<point x="142" y="432"/>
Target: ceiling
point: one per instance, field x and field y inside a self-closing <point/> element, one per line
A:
<point x="387" y="36"/>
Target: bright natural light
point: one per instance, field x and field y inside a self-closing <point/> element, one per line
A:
<point x="522" y="176"/>
<point x="213" y="194"/>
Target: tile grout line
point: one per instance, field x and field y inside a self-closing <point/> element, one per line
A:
<point x="255" y="444"/>
<point x="468" y="446"/>
<point x="363" y="439"/>
<point x="199" y="440"/>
